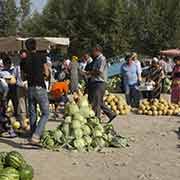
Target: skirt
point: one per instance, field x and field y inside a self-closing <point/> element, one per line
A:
<point x="175" y="94"/>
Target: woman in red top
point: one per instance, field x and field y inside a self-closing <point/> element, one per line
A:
<point x="175" y="95"/>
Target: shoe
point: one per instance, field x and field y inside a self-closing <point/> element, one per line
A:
<point x="12" y="134"/>
<point x="112" y="119"/>
<point x="34" y="141"/>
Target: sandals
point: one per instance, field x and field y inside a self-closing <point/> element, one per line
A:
<point x="35" y="140"/>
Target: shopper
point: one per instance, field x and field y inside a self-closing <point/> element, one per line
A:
<point x="74" y="74"/>
<point x="131" y="75"/>
<point x="36" y="70"/>
<point x="12" y="93"/>
<point x="97" y="84"/>
<point x="21" y="89"/>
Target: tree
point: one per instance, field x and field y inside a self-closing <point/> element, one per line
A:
<point x="25" y="7"/>
<point x="8" y="18"/>
<point x="145" y="26"/>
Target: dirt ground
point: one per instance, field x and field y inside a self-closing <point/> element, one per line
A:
<point x="154" y="154"/>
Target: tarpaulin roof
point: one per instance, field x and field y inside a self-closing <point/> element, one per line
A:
<point x="171" y="52"/>
<point x="53" y="40"/>
<point x="15" y="43"/>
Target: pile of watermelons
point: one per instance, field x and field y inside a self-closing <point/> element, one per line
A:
<point x="14" y="167"/>
<point x="82" y="131"/>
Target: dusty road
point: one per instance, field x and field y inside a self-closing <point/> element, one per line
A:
<point x="154" y="154"/>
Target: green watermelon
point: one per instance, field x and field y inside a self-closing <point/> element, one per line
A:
<point x="1" y="166"/>
<point x="11" y="173"/>
<point x="26" y="173"/>
<point x="4" y="177"/>
<point x="3" y="157"/>
<point x="15" y="160"/>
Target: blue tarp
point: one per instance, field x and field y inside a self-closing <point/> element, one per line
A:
<point x="114" y="69"/>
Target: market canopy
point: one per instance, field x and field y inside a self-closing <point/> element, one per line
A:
<point x="16" y="43"/>
<point x="171" y="52"/>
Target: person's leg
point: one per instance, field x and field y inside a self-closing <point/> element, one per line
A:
<point x="90" y="92"/>
<point x="32" y="109"/>
<point x="135" y="97"/>
<point x="127" y="94"/>
<point x="95" y="99"/>
<point x="102" y="88"/>
<point x="21" y="110"/>
<point x="42" y="100"/>
<point x="13" y="98"/>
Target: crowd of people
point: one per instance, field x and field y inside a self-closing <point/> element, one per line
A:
<point x="155" y="72"/>
<point x="27" y="84"/>
<point x="34" y="79"/>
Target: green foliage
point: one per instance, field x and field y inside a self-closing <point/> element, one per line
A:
<point x="8" y="18"/>
<point x="145" y="26"/>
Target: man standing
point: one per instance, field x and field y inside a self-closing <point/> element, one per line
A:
<point x="21" y="89"/>
<point x="36" y="70"/>
<point x="97" y="84"/>
<point x="131" y="77"/>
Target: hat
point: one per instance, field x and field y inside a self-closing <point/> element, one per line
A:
<point x="74" y="58"/>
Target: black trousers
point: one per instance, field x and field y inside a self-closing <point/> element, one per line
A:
<point x="96" y="92"/>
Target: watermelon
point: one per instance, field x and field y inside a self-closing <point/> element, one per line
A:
<point x="4" y="177"/>
<point x="57" y="135"/>
<point x="66" y="129"/>
<point x="10" y="173"/>
<point x="26" y="173"/>
<point x="1" y="166"/>
<point x="3" y="157"/>
<point x="14" y="159"/>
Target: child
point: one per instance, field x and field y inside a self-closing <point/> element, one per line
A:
<point x="58" y="92"/>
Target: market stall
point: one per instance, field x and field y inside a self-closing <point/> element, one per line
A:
<point x="11" y="44"/>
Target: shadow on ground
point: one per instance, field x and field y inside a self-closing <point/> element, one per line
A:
<point x="178" y="135"/>
<point x="14" y="144"/>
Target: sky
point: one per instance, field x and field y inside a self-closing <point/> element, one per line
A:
<point x="38" y="4"/>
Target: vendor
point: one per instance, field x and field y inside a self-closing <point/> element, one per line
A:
<point x="155" y="76"/>
<point x="175" y="94"/>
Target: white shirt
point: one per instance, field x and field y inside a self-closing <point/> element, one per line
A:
<point x="139" y="68"/>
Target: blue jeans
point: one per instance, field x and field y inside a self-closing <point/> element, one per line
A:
<point x="38" y="95"/>
<point x="132" y="95"/>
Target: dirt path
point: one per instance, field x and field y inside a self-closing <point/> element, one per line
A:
<point x="154" y="154"/>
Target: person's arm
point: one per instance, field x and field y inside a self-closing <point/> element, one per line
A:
<point x="46" y="70"/>
<point x="99" y="69"/>
<point x="161" y="76"/>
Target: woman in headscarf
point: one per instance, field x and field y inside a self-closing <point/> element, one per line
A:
<point x="175" y="94"/>
<point x="74" y="73"/>
<point x="155" y="75"/>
